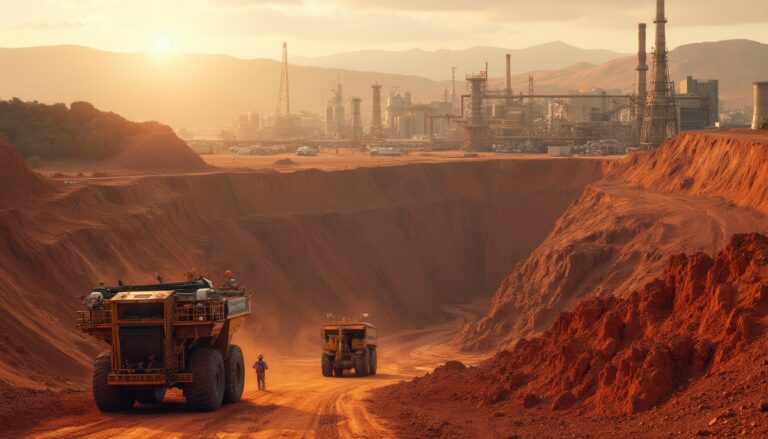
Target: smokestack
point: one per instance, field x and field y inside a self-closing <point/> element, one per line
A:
<point x="660" y="121"/>
<point x="508" y="82"/>
<point x="376" y="122"/>
<point x="642" y="59"/>
<point x="661" y="28"/>
<point x="357" y="126"/>
<point x="642" y="80"/>
<point x="761" y="104"/>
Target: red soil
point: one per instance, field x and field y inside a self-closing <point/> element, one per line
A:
<point x="159" y="150"/>
<point x="610" y="355"/>
<point x="617" y="236"/>
<point x="729" y="164"/>
<point x="398" y="242"/>
<point x="17" y="181"/>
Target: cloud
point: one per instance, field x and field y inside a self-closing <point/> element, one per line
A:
<point x="250" y="3"/>
<point x="49" y="25"/>
<point x="600" y="13"/>
<point x="336" y="25"/>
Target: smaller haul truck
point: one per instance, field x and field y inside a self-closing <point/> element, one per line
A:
<point x="167" y="335"/>
<point x="348" y="345"/>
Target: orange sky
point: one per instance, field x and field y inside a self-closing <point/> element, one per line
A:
<point x="255" y="28"/>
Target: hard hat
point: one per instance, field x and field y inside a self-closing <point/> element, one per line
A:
<point x="228" y="274"/>
<point x="261" y="356"/>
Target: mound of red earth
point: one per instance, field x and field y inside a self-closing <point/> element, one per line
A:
<point x="690" y="195"/>
<point x="726" y="163"/>
<point x="625" y="354"/>
<point x="17" y="181"/>
<point x="159" y="150"/>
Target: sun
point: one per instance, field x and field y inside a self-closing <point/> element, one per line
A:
<point x="162" y="44"/>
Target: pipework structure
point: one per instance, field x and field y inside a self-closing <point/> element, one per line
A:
<point x="642" y="83"/>
<point x="477" y="130"/>
<point x="376" y="128"/>
<point x="660" y="120"/>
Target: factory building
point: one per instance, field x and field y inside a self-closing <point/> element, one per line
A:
<point x="247" y="126"/>
<point x="396" y="107"/>
<point x="335" y="121"/>
<point x="590" y="109"/>
<point x="692" y="115"/>
<point x="709" y="89"/>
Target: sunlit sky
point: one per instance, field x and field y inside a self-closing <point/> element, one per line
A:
<point x="255" y="28"/>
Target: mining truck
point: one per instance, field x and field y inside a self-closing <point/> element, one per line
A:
<point x="348" y="345"/>
<point x="167" y="335"/>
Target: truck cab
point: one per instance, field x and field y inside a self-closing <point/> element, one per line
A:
<point x="167" y="335"/>
<point x="348" y="345"/>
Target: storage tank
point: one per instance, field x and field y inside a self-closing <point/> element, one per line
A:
<point x="761" y="104"/>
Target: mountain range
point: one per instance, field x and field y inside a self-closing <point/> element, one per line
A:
<point x="197" y="90"/>
<point x="436" y="64"/>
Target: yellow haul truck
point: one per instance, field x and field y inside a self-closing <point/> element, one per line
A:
<point x="348" y="345"/>
<point x="167" y="335"/>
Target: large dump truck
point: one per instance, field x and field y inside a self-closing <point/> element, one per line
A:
<point x="167" y="335"/>
<point x="348" y="345"/>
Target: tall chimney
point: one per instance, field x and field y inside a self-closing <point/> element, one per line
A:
<point x="761" y="104"/>
<point x="508" y="77"/>
<point x="357" y="126"/>
<point x="642" y="80"/>
<point x="660" y="122"/>
<point x="376" y="121"/>
<point x="661" y="28"/>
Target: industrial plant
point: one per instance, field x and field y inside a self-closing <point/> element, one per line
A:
<point x="586" y="121"/>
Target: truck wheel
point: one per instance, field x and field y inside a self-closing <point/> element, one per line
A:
<point x="109" y="398"/>
<point x="327" y="365"/>
<point x="361" y="364"/>
<point x="151" y="396"/>
<point x="235" y="374"/>
<point x="374" y="361"/>
<point x="206" y="391"/>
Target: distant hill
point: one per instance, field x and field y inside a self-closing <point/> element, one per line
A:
<point x="182" y="90"/>
<point x="436" y="64"/>
<point x="84" y="133"/>
<point x="736" y="63"/>
<point x="192" y="90"/>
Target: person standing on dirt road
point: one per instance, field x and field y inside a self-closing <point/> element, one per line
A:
<point x="261" y="368"/>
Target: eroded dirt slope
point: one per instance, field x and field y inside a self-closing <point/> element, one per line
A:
<point x="617" y="236"/>
<point x="397" y="242"/>
<point x="696" y="336"/>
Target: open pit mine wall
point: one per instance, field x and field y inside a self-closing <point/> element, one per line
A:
<point x="398" y="242"/>
<point x="727" y="164"/>
<point x="691" y="194"/>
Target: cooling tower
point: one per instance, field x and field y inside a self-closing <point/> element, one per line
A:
<point x="761" y="104"/>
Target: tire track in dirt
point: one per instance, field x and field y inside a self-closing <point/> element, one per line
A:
<point x="300" y="403"/>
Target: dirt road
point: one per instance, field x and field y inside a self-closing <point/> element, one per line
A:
<point x="299" y="401"/>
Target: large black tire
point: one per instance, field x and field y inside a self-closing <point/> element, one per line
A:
<point x="361" y="364"/>
<point x="235" y="375"/>
<point x="109" y="398"/>
<point x="374" y="361"/>
<point x="206" y="391"/>
<point x="327" y="365"/>
<point x="151" y="396"/>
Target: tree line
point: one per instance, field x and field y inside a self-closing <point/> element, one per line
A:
<point x="59" y="132"/>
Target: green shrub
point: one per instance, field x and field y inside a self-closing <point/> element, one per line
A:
<point x="60" y="132"/>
